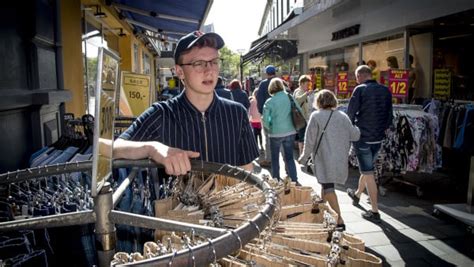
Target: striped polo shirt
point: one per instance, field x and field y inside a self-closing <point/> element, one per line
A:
<point x="221" y="134"/>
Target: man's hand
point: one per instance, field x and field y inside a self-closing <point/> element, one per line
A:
<point x="175" y="160"/>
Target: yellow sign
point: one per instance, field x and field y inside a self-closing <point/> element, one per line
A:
<point x="134" y="94"/>
<point x="442" y="84"/>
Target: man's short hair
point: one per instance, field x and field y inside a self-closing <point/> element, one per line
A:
<point x="363" y="69"/>
<point x="304" y="79"/>
<point x="276" y="85"/>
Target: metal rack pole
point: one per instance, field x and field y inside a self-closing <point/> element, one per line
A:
<point x="105" y="234"/>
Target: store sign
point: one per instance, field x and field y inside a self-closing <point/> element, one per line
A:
<point x="346" y="32"/>
<point x="442" y="84"/>
<point x="135" y="94"/>
<point x="398" y="83"/>
<point x="342" y="84"/>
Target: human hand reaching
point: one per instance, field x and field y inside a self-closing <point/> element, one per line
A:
<point x="176" y="161"/>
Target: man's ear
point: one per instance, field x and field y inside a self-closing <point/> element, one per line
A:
<point x="179" y="72"/>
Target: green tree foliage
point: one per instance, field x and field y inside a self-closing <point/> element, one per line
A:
<point x="230" y="63"/>
<point x="230" y="68"/>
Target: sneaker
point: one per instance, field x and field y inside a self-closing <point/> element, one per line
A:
<point x="351" y="193"/>
<point x="371" y="216"/>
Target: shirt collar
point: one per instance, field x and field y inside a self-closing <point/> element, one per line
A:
<point x="183" y="99"/>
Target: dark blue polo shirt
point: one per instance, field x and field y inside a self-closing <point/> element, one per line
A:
<point x="221" y="134"/>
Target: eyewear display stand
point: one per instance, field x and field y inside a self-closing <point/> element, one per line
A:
<point x="221" y="242"/>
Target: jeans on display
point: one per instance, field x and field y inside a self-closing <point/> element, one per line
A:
<point x="287" y="143"/>
<point x="129" y="238"/>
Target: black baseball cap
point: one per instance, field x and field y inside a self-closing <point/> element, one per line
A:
<point x="188" y="41"/>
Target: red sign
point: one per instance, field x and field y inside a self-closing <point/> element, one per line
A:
<point x="398" y="83"/>
<point x="342" y="83"/>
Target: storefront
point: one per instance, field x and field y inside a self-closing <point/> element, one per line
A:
<point x="356" y="32"/>
<point x="50" y="63"/>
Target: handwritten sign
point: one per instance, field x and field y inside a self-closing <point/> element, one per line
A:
<point x="398" y="83"/>
<point x="134" y="94"/>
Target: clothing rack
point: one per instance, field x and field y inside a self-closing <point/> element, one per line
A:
<point x="224" y="241"/>
<point x="463" y="212"/>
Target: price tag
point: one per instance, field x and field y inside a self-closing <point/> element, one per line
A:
<point x="135" y="94"/>
<point x="398" y="83"/>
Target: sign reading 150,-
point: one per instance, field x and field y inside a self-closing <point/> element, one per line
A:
<point x="342" y="83"/>
<point x="398" y="83"/>
<point x="134" y="94"/>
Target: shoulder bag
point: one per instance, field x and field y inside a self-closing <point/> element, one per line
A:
<point x="298" y="119"/>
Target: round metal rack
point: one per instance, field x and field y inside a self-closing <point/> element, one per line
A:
<point x="221" y="243"/>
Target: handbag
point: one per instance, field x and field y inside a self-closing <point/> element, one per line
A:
<point x="311" y="163"/>
<point x="297" y="117"/>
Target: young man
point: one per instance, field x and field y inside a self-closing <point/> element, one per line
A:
<point x="195" y="124"/>
<point x="370" y="109"/>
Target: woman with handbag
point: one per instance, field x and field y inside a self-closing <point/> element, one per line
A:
<point x="277" y="120"/>
<point x="327" y="140"/>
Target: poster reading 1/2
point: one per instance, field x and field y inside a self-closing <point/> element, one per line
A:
<point x="135" y="94"/>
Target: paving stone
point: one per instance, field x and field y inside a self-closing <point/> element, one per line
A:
<point x="389" y="252"/>
<point x="451" y="230"/>
<point x="374" y="239"/>
<point x="410" y="235"/>
<point x="363" y="227"/>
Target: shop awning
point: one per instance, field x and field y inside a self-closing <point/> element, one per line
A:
<point x="264" y="47"/>
<point x="172" y="18"/>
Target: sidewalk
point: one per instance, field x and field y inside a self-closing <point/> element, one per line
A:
<point x="409" y="234"/>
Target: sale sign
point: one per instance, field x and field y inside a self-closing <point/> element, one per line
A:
<point x="342" y="83"/>
<point x="135" y="94"/>
<point x="398" y="83"/>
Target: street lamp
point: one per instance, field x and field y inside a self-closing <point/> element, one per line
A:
<point x="241" y="51"/>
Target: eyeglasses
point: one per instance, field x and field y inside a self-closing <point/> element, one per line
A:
<point x="201" y="65"/>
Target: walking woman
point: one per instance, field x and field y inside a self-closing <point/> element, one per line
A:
<point x="279" y="124"/>
<point x="327" y="140"/>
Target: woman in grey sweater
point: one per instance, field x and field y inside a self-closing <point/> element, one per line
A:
<point x="329" y="152"/>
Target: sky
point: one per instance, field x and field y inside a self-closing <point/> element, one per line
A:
<point x="237" y="21"/>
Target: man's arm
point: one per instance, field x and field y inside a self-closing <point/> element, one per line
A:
<point x="354" y="104"/>
<point x="175" y="161"/>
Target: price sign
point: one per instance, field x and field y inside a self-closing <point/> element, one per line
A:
<point x="135" y="94"/>
<point x="442" y="84"/>
<point x="342" y="83"/>
<point x="398" y="83"/>
<point x="318" y="80"/>
<point x="107" y="85"/>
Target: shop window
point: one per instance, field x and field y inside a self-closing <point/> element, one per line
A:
<point x="385" y="53"/>
<point x="146" y="63"/>
<point x="92" y="39"/>
<point x="136" y="66"/>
